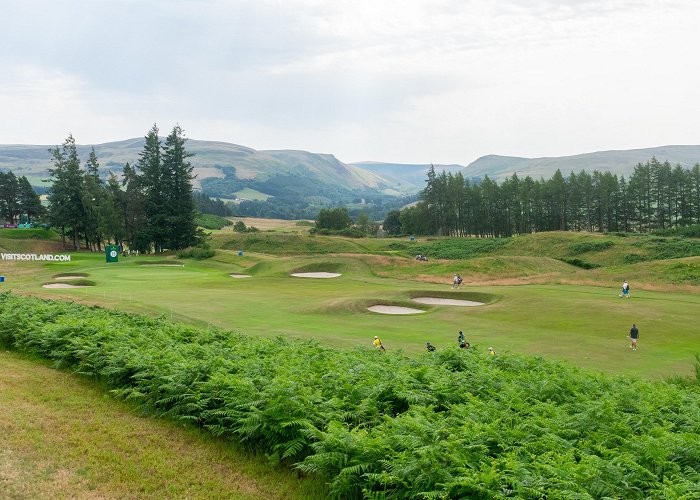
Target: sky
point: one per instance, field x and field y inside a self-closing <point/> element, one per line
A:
<point x="442" y="81"/>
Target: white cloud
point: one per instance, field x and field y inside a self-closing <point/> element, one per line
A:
<point x="442" y="81"/>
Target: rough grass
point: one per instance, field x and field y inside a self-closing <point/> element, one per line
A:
<point x="63" y="438"/>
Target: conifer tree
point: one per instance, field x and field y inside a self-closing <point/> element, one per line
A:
<point x="27" y="200"/>
<point x="65" y="194"/>
<point x="177" y="192"/>
<point x="152" y="184"/>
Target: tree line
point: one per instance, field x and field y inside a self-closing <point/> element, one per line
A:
<point x="151" y="208"/>
<point x="656" y="196"/>
<point x="17" y="199"/>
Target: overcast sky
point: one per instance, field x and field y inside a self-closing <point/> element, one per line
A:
<point x="401" y="81"/>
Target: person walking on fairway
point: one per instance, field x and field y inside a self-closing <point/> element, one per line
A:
<point x="460" y="338"/>
<point x="634" y="335"/>
<point x="625" y="290"/>
<point x="378" y="344"/>
<point x="429" y="347"/>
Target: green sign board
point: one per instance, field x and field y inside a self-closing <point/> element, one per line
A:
<point x="112" y="253"/>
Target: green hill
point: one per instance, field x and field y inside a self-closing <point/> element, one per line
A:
<point x="224" y="169"/>
<point x="621" y="162"/>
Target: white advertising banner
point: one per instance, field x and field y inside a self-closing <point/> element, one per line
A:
<point x="33" y="256"/>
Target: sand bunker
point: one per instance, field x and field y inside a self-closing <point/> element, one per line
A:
<point x="65" y="278"/>
<point x="446" y="302"/>
<point x="315" y="275"/>
<point x="62" y="285"/>
<point x="240" y="275"/>
<point x="394" y="310"/>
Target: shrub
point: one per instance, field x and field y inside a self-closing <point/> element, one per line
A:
<point x="198" y="253"/>
<point x="459" y="248"/>
<point x="581" y="263"/>
<point x="590" y="246"/>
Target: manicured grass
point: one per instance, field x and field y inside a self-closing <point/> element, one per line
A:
<point x="585" y="325"/>
<point x="62" y="437"/>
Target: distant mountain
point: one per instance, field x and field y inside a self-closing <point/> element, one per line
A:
<point x="621" y="162"/>
<point x="407" y="177"/>
<point x="222" y="168"/>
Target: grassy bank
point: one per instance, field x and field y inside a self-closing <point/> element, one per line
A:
<point x="63" y="437"/>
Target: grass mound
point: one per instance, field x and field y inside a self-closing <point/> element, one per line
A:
<point x="486" y="298"/>
<point x="449" y="424"/>
<point x="320" y="267"/>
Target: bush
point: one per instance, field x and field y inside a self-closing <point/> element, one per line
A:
<point x="198" y="253"/>
<point x="633" y="258"/>
<point x="581" y="263"/>
<point x="590" y="246"/>
<point x="350" y="232"/>
<point x="683" y="232"/>
<point x="459" y="248"/>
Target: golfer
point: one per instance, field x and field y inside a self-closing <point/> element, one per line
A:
<point x="429" y="347"/>
<point x="634" y="335"/>
<point x="625" y="290"/>
<point x="460" y="338"/>
<point x="378" y="344"/>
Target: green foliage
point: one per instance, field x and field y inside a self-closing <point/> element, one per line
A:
<point x="208" y="221"/>
<point x="198" y="253"/>
<point x="682" y="231"/>
<point x="590" y="246"/>
<point x="459" y="248"/>
<point x="350" y="232"/>
<point x="239" y="226"/>
<point x="449" y="424"/>
<point x="34" y="234"/>
<point x="669" y="248"/>
<point x="581" y="263"/>
<point x="334" y="219"/>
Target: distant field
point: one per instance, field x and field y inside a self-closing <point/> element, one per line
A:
<point x="252" y="194"/>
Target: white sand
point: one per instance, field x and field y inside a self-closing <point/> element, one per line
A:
<point x="394" y="310"/>
<point x="446" y="302"/>
<point x="240" y="275"/>
<point x="63" y="285"/>
<point x="315" y="275"/>
<point x="64" y="278"/>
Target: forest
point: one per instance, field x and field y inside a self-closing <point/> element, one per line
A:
<point x="656" y="196"/>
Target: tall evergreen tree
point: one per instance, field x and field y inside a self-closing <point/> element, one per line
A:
<point x="65" y="193"/>
<point x="27" y="200"/>
<point x="9" y="190"/>
<point x="153" y="186"/>
<point x="177" y="192"/>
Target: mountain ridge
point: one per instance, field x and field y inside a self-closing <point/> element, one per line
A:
<point x="616" y="161"/>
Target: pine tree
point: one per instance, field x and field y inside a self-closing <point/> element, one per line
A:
<point x="152" y="184"/>
<point x="27" y="200"/>
<point x="65" y="194"/>
<point x="177" y="190"/>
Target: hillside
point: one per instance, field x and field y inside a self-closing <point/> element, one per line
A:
<point x="406" y="177"/>
<point x="621" y="162"/>
<point x="222" y="168"/>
